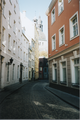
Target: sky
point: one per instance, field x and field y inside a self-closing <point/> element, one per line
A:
<point x="36" y="8"/>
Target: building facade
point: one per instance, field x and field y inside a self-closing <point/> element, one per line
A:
<point x="32" y="34"/>
<point x="43" y="69"/>
<point x="11" y="44"/>
<point x="63" y="45"/>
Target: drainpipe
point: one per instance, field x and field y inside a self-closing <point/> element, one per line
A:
<point x="0" y="37"/>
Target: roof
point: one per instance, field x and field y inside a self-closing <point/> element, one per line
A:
<point x="50" y="6"/>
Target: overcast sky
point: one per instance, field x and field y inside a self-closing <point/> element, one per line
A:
<point x="38" y="8"/>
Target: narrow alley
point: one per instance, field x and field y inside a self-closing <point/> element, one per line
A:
<point x="33" y="101"/>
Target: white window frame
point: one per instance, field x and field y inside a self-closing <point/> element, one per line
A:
<point x="58" y="8"/>
<point x="52" y="21"/>
<point x="14" y="46"/>
<point x="15" y="9"/>
<point x="60" y="44"/>
<point x="9" y="42"/>
<point x="61" y="73"/>
<point x="3" y="36"/>
<point x="70" y="26"/>
<point x="14" y="27"/>
<point x="53" y="76"/>
<point x="4" y="8"/>
<point x="72" y="66"/>
<point x="9" y="18"/>
<point x="53" y="43"/>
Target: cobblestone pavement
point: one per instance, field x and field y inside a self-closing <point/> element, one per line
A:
<point x="33" y="101"/>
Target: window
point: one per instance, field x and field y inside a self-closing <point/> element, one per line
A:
<point x="24" y="56"/>
<point x="40" y="68"/>
<point x="21" y="54"/>
<point x="69" y="1"/>
<point x="10" y="2"/>
<point x="9" y="18"/>
<point x="14" y="48"/>
<point x="3" y="36"/>
<point x="14" y="27"/>
<point x="18" y="72"/>
<point x="53" y="15"/>
<point x="63" y="76"/>
<point x="4" y="8"/>
<point x="75" y="71"/>
<point x="61" y="36"/>
<point x="60" y="6"/>
<point x="14" y="9"/>
<point x="18" y="51"/>
<point x="13" y="72"/>
<point x="9" y="42"/>
<point x="54" y="42"/>
<point x="74" y="26"/>
<point x="54" y="72"/>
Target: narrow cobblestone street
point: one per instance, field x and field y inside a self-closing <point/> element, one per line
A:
<point x="33" y="101"/>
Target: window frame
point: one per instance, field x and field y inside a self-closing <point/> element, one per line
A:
<point x="75" y="56"/>
<point x="52" y="16"/>
<point x="53" y="63"/>
<point x="70" y="26"/>
<point x="58" y="8"/>
<point x="55" y="42"/>
<point x="9" y="42"/>
<point x="61" y="71"/>
<point x="63" y="27"/>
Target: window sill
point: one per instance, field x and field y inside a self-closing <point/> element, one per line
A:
<point x="53" y="50"/>
<point x="63" y="82"/>
<point x="75" y="84"/>
<point x="55" y="81"/>
<point x="74" y="37"/>
<point x="61" y="44"/>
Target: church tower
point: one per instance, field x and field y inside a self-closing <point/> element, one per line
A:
<point x="40" y="26"/>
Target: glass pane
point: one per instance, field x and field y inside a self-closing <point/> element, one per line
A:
<point x="77" y="74"/>
<point x="54" y="65"/>
<point x="55" y="74"/>
<point x="64" y="74"/>
<point x="77" y="60"/>
<point x="63" y="63"/>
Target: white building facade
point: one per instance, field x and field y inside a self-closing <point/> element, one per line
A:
<point x="11" y="44"/>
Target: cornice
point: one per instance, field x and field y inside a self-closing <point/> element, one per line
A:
<point x="76" y="46"/>
<point x="50" y="6"/>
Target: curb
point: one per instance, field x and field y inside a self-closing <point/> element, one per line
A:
<point x="62" y="98"/>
